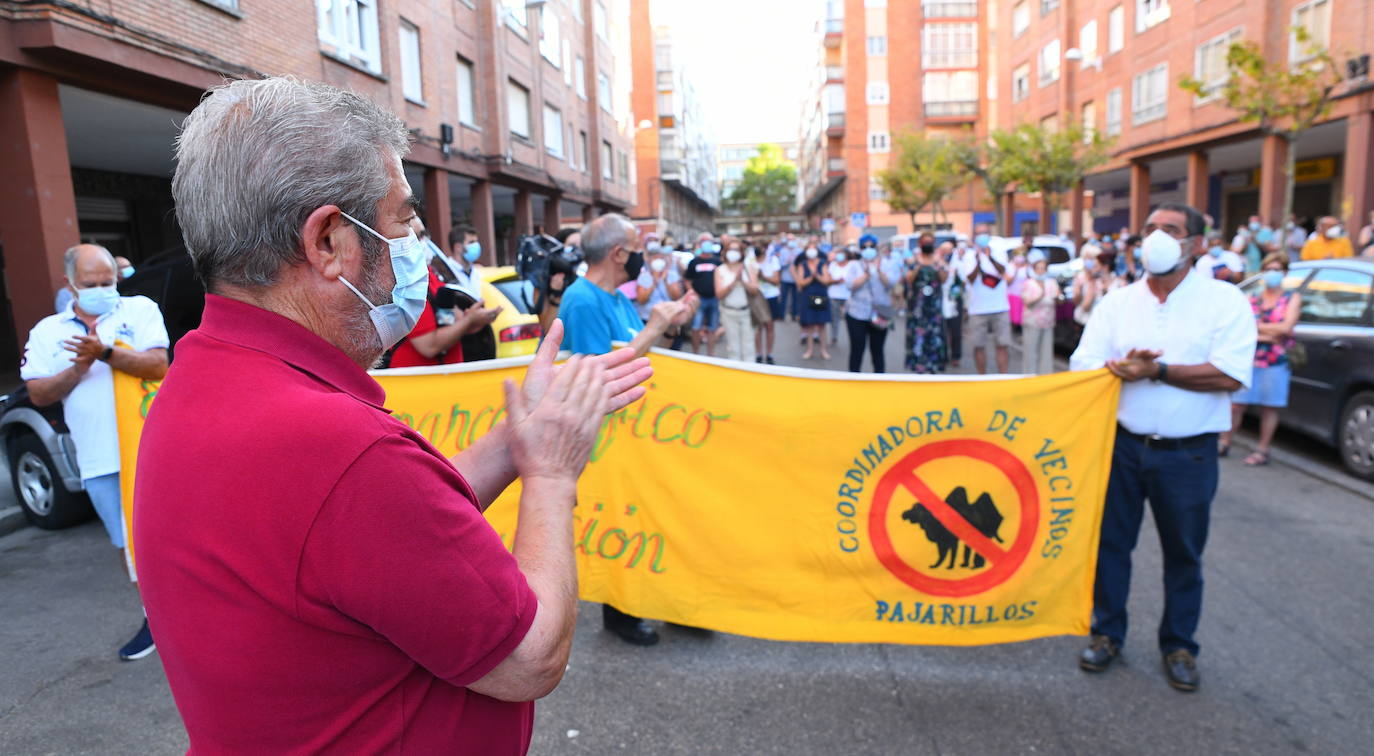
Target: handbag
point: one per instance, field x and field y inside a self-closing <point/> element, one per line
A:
<point x="882" y="316"/>
<point x="817" y="302"/>
<point x="759" y="311"/>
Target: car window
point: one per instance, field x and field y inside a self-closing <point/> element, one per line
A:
<point x="1055" y="255"/>
<point x="1335" y="296"/>
<point x="1293" y="280"/>
<point x="519" y="291"/>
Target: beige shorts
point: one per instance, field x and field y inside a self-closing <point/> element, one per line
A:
<point x="983" y="331"/>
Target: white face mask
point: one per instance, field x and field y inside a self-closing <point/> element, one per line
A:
<point x="1162" y="253"/>
<point x="658" y="265"/>
<point x="811" y="252"/>
<point x="1334" y="232"/>
<point x="733" y="256"/>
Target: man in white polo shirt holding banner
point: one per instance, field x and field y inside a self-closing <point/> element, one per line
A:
<point x="1182" y="342"/>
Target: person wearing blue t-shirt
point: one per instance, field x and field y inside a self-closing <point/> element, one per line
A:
<point x="595" y="315"/>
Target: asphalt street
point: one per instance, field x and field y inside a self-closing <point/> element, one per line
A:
<point x="1286" y="631"/>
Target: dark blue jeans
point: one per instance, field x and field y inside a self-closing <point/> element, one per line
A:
<point x="1179" y="484"/>
<point x="791" y="302"/>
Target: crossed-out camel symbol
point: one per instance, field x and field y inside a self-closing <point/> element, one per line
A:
<point x="982" y="514"/>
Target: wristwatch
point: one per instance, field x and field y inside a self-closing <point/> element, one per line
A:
<point x="105" y="355"/>
<point x="1163" y="376"/>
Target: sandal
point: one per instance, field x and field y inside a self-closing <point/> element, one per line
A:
<point x="1224" y="450"/>
<point x="1258" y="459"/>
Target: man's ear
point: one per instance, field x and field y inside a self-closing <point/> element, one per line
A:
<point x="324" y="240"/>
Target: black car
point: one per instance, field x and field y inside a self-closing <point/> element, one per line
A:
<point x="1331" y="397"/>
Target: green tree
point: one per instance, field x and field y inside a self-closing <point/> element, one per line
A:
<point x="769" y="186"/>
<point x="996" y="161"/>
<point x="1053" y="161"/>
<point x="925" y="169"/>
<point x="1283" y="99"/>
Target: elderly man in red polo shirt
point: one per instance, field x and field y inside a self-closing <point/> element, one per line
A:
<point x="320" y="578"/>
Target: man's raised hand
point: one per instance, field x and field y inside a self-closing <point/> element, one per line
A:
<point x="624" y="375"/>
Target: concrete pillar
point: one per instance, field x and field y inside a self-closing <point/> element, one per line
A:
<point x="484" y="220"/>
<point x="438" y="208"/>
<point x="553" y="214"/>
<point x="1076" y="212"/>
<point x="37" y="202"/>
<point x="1273" y="156"/>
<point x="1140" y="195"/>
<point x="1197" y="180"/>
<point x="1359" y="179"/>
<point x="524" y="213"/>
<point x="1008" y="200"/>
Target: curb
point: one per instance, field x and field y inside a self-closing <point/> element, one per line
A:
<point x="1307" y="467"/>
<point x="11" y="519"/>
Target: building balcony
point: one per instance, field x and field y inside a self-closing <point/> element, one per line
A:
<point x="834" y="124"/>
<point x="956" y="110"/>
<point x="834" y="166"/>
<point x="834" y="74"/>
<point x="834" y="32"/>
<point x="945" y="9"/>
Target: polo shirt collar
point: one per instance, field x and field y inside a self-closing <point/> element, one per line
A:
<point x="252" y="327"/>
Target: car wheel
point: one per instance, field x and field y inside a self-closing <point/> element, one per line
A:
<point x="45" y="501"/>
<point x="1356" y="435"/>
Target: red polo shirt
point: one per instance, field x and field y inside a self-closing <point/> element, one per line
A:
<point x="317" y="576"/>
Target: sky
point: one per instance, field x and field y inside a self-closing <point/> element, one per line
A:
<point x="750" y="60"/>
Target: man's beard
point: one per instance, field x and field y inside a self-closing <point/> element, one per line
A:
<point x="361" y="341"/>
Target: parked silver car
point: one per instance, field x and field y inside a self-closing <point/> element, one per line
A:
<point x="41" y="459"/>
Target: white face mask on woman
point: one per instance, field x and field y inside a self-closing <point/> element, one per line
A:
<point x="811" y="252"/>
<point x="733" y="256"/>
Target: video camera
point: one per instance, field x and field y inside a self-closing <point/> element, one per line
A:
<point x="539" y="258"/>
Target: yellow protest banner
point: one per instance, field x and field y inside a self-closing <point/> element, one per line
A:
<point x="813" y="506"/>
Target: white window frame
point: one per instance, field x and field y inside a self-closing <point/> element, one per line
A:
<point x="1111" y="124"/>
<point x="580" y="77"/>
<point x="339" y="19"/>
<point x="941" y="45"/>
<point x="1142" y="85"/>
<point x="599" y="22"/>
<point x="875" y="3"/>
<point x="1020" y="18"/>
<point x="1020" y="75"/>
<point x="576" y="10"/>
<point x="1150" y="13"/>
<point x="876" y="191"/>
<point x="516" y="16"/>
<point x="1089" y="120"/>
<point x="607" y="161"/>
<point x="518" y="101"/>
<point x="949" y="86"/>
<point x="879" y="142"/>
<point x="1049" y="63"/>
<point x="877" y="46"/>
<point x="878" y="93"/>
<point x="1218" y="45"/>
<point x="550" y="35"/>
<point x="466" y="85"/>
<point x="1087" y="40"/>
<point x="1320" y="37"/>
<point x="604" y="96"/>
<point x="1047" y="6"/>
<point x="553" y="130"/>
<point x="412" y="72"/>
<point x="1116" y="29"/>
<point x="567" y="63"/>
<point x="586" y="146"/>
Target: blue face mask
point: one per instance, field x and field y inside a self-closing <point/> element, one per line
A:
<point x="1273" y="278"/>
<point x="869" y="253"/>
<point x="472" y="252"/>
<point x="982" y="240"/>
<point x="126" y="271"/>
<point x="97" y="300"/>
<point x="394" y="320"/>
<point x="1214" y="251"/>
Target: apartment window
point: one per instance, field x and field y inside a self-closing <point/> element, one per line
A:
<point x="607" y="161"/>
<point x="1150" y="95"/>
<point x="550" y="37"/>
<point x="585" y="147"/>
<point x="1209" y="66"/>
<point x="567" y="63"/>
<point x="1116" y="29"/>
<point x="1089" y="121"/>
<point x="877" y="46"/>
<point x="599" y="20"/>
<point x="1020" y="83"/>
<point x="875" y="190"/>
<point x="350" y="28"/>
<point x="576" y="9"/>
<point x="517" y="15"/>
<point x="948" y="9"/>
<point x="518" y="102"/>
<point x="1087" y="40"/>
<point x="624" y="161"/>
<point x="1315" y="18"/>
<point x="950" y="93"/>
<point x="1148" y="13"/>
<point x="1113" y="123"/>
<point x="1048" y="5"/>
<point x="1020" y="18"/>
<point x="875" y="3"/>
<point x="411" y="81"/>
<point x="1049" y="63"/>
<point x="949" y="45"/>
<point x="878" y="141"/>
<point x="580" y="77"/>
<point x="467" y="98"/>
<point x="603" y="91"/>
<point x="232" y="5"/>
<point x="878" y="93"/>
<point x="553" y="130"/>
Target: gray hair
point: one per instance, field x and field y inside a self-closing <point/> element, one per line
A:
<point x="69" y="259"/>
<point x="603" y="234"/>
<point x="256" y="157"/>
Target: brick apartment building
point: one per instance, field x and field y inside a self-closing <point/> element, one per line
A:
<point x="888" y="66"/>
<point x="675" y="150"/>
<point x="521" y="114"/>
<point x="1115" y="65"/>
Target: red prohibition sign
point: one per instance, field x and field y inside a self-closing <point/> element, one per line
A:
<point x="1004" y="562"/>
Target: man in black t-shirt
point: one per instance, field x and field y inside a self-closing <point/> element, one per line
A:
<point x="701" y="272"/>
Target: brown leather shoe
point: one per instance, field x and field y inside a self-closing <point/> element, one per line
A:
<point x="1181" y="669"/>
<point x="1098" y="655"/>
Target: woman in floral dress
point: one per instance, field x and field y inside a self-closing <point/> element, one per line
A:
<point x="925" y="323"/>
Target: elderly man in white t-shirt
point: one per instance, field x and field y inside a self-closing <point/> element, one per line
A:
<point x="1182" y="342"/>
<point x="987" y="323"/>
<point x="71" y="358"/>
